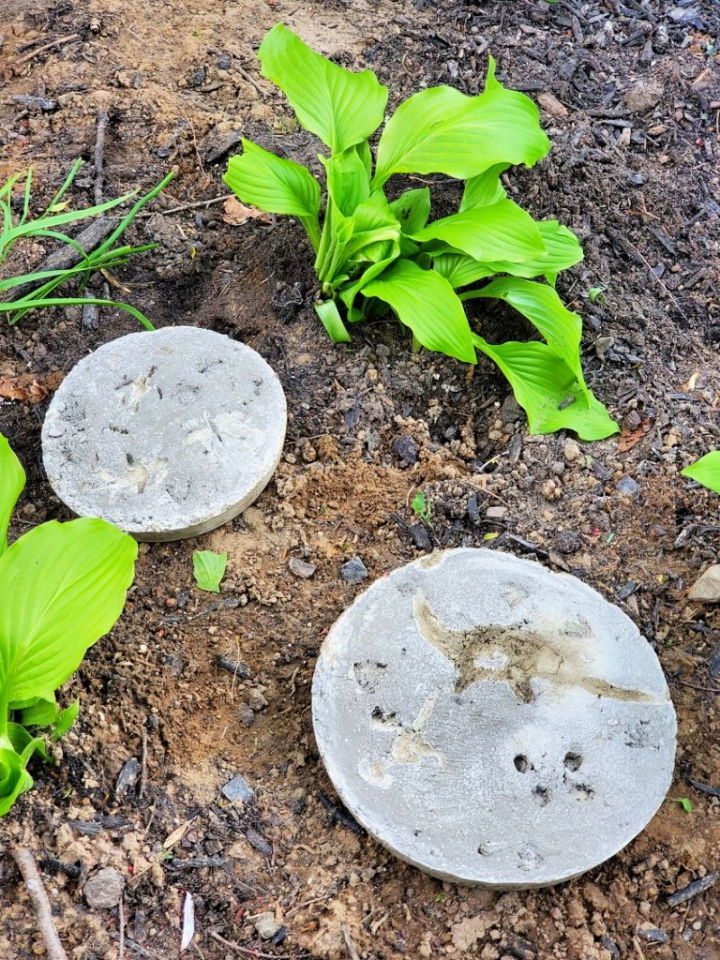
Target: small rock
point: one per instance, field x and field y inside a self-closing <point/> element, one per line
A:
<point x="246" y="714"/>
<point x="353" y="571"/>
<point x="258" y="841"/>
<point x="510" y="410"/>
<point x="550" y="490"/>
<point x="103" y="890"/>
<point x="707" y="586"/>
<point x="627" y="486"/>
<point x="309" y="453"/>
<point x="420" y="536"/>
<point x="266" y="925"/>
<point x="224" y="61"/>
<point x="496" y="513"/>
<point x="301" y="568"/>
<point x="237" y="789"/>
<point x="643" y="95"/>
<point x="572" y="451"/>
<point x="127" y="778"/>
<point x="550" y="104"/>
<point x="637" y="180"/>
<point x="565" y="541"/>
<point x="256" y="700"/>
<point x="405" y="448"/>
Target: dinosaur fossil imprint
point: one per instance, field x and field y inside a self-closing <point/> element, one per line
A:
<point x="515" y="655"/>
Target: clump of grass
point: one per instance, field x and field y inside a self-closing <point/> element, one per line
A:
<point x="106" y="255"/>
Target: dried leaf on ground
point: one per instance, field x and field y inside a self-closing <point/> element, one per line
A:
<point x="630" y="438"/>
<point x="28" y="388"/>
<point x="237" y="213"/>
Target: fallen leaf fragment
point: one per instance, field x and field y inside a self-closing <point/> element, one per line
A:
<point x="237" y="213"/>
<point x="28" y="388"/>
<point x="629" y="438"/>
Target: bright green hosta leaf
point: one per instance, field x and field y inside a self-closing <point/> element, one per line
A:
<point x="425" y="302"/>
<point x="347" y="179"/>
<point x="12" y="481"/>
<point x="441" y="130"/>
<point x="43" y="713"/>
<point x="65" y="719"/>
<point x="332" y="321"/>
<point x="209" y="569"/>
<point x="272" y="183"/>
<point x="459" y="269"/>
<point x="548" y="390"/>
<point x="340" y="107"/>
<point x="374" y="223"/>
<point x="541" y="305"/>
<point x="62" y="586"/>
<point x="706" y="471"/>
<point x="485" y="189"/>
<point x="412" y="209"/>
<point x="350" y="291"/>
<point x="563" y="250"/>
<point x="502" y="231"/>
<point x="14" y="778"/>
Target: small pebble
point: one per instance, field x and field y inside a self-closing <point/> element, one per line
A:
<point x="246" y="714"/>
<point x="496" y="513"/>
<point x="301" y="568"/>
<point x="405" y="448"/>
<point x="266" y="925"/>
<point x="353" y="571"/>
<point x="103" y="890"/>
<point x="627" y="486"/>
<point x="237" y="789"/>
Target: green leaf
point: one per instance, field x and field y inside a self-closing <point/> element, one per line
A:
<point x="412" y="209"/>
<point x="685" y="803"/>
<point x="563" y="250"/>
<point x="548" y="390"/>
<point x="65" y="719"/>
<point x="440" y="130"/>
<point x="374" y="222"/>
<point x="425" y="302"/>
<point x="347" y="180"/>
<point x="62" y="587"/>
<point x="459" y="269"/>
<point x="706" y="471"/>
<point x="209" y="569"/>
<point x="42" y="713"/>
<point x="12" y="481"/>
<point x="502" y="231"/>
<point x="340" y="107"/>
<point x="350" y="291"/>
<point x="14" y="778"/>
<point x="541" y="305"/>
<point x="485" y="189"/>
<point x="272" y="183"/>
<point x="332" y="321"/>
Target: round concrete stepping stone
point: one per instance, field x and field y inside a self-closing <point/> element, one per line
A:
<point x="492" y="722"/>
<point x="166" y="434"/>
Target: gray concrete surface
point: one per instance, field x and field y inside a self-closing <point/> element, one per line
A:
<point x="166" y="434"/>
<point x="492" y="722"/>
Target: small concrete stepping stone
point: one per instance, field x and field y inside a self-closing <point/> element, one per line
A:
<point x="166" y="434"/>
<point x="492" y="722"/>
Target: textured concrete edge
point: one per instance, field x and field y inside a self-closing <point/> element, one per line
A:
<point x="195" y="530"/>
<point x="433" y="559"/>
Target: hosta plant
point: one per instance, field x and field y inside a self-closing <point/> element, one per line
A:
<point x="706" y="471"/>
<point x="62" y="586"/>
<point x="375" y="251"/>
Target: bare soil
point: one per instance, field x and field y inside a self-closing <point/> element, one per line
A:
<point x="630" y="94"/>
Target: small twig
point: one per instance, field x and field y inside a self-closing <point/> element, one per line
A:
<point x="693" y="889"/>
<point x="352" y="952"/>
<point x="193" y="206"/>
<point x="48" y="46"/>
<point x="102" y="122"/>
<point x="249" y="952"/>
<point x="41" y="905"/>
<point x="246" y="76"/>
<point x="121" y="918"/>
<point x="143" y="766"/>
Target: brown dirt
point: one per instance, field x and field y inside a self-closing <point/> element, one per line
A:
<point x="641" y="188"/>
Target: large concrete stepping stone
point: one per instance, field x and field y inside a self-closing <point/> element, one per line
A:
<point x="165" y="434"/>
<point x="492" y="722"/>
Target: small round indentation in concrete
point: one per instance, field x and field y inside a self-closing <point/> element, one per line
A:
<point x="492" y="722"/>
<point x="166" y="434"/>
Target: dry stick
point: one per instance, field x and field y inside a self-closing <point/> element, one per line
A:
<point x="41" y="905"/>
<point x="349" y="944"/>
<point x="143" y="766"/>
<point x="48" y="46"/>
<point x="248" y="951"/>
<point x="102" y="122"/>
<point x="121" y="919"/>
<point x="192" y="206"/>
